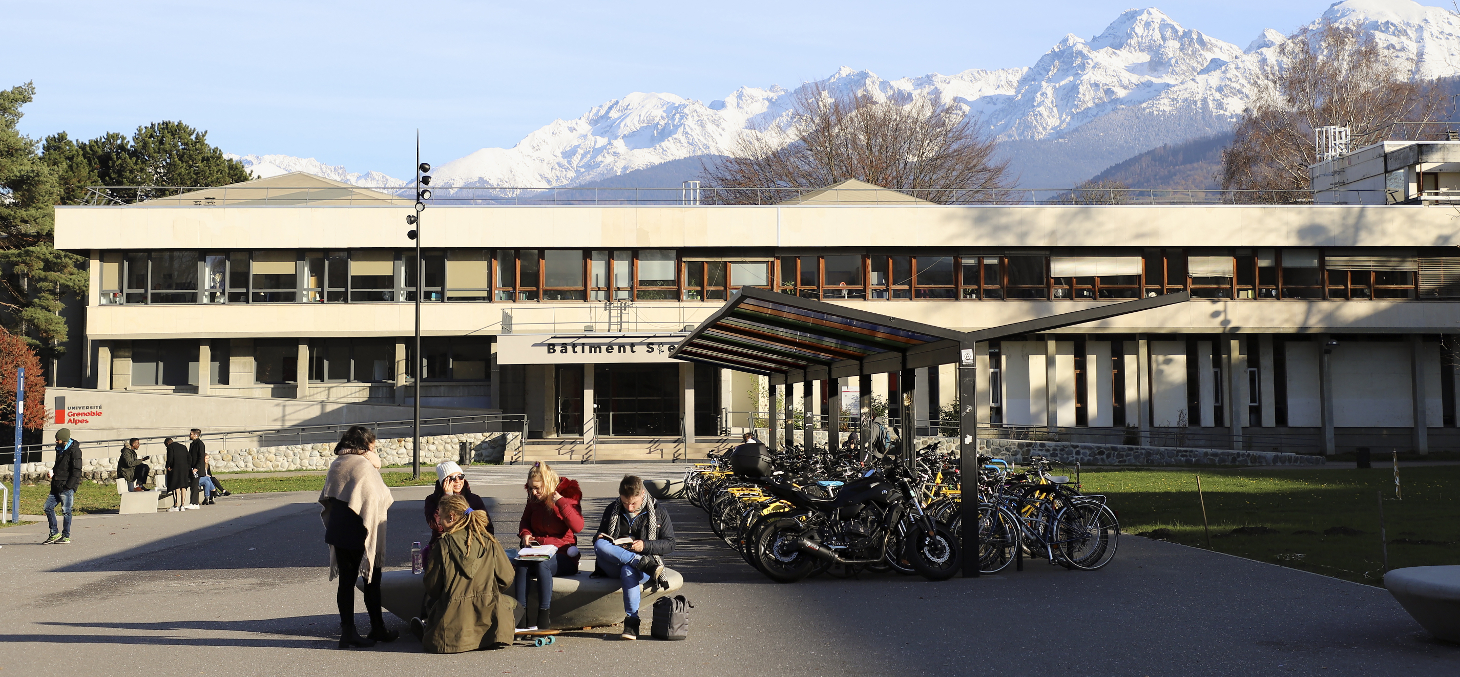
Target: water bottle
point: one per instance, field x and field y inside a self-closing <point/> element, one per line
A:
<point x="417" y="565"/>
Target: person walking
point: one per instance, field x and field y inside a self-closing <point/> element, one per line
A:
<point x="645" y="525"/>
<point x="131" y="468"/>
<point x="466" y="576"/>
<point x="179" y="474"/>
<point x="355" y="500"/>
<point x="65" y="477"/>
<point x="553" y="517"/>
<point x="197" y="453"/>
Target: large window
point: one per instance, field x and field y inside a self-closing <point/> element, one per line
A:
<point x="1301" y="276"/>
<point x="1211" y="276"/>
<point x="612" y="275"/>
<point x="111" y="278"/>
<point x="518" y="274"/>
<point x="1095" y="277"/>
<point x="326" y="275"/>
<point x="432" y="284"/>
<point x="843" y="275"/>
<point x="275" y="361"/>
<point x="454" y="358"/>
<point x="1027" y="278"/>
<point x="934" y="279"/>
<point x="372" y="275"/>
<point x="656" y="278"/>
<point x="352" y="359"/>
<point x="468" y="275"/>
<point x="563" y="271"/>
<point x="164" y="363"/>
<point x="275" y="277"/>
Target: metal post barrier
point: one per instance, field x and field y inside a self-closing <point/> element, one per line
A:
<point x="19" y="454"/>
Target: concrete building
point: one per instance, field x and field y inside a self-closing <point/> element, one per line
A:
<point x="1315" y="327"/>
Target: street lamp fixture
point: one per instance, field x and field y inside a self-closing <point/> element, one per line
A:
<point x="417" y="361"/>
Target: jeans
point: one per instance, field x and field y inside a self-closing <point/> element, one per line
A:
<point x="208" y="488"/>
<point x="544" y="572"/>
<point x="611" y="556"/>
<point x="64" y="499"/>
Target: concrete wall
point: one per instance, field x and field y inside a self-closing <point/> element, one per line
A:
<point x="1303" y="384"/>
<point x="1168" y="383"/>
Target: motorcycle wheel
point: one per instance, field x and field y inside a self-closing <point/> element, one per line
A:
<point x="897" y="556"/>
<point x="935" y="555"/>
<point x="778" y="558"/>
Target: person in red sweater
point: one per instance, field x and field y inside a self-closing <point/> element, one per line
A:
<point x="554" y="516"/>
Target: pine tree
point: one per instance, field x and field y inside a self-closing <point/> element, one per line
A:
<point x="167" y="153"/>
<point x="36" y="274"/>
<point x="68" y="161"/>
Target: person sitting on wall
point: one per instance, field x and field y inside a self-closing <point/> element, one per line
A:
<point x="211" y="486"/>
<point x="632" y="539"/>
<point x="131" y="468"/>
<point x="553" y="517"/>
<point x="451" y="481"/>
<point x="466" y="576"/>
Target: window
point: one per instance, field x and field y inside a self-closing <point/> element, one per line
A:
<point x="1267" y="274"/>
<point x="111" y="278"/>
<point x="164" y="363"/>
<point x="468" y="275"/>
<point x="275" y="361"/>
<point x="656" y="279"/>
<point x="325" y="276"/>
<point x="891" y="276"/>
<point x="455" y="358"/>
<point x="1365" y="275"/>
<point x="434" y="282"/>
<point x="704" y="280"/>
<point x="346" y="359"/>
<point x="1301" y="276"/>
<point x="174" y="277"/>
<point x="934" y="278"/>
<point x="750" y="274"/>
<point x="1211" y="276"/>
<point x="799" y="275"/>
<point x="1027" y="277"/>
<point x="518" y="274"/>
<point x="843" y="277"/>
<point x="136" y="278"/>
<point x="372" y="275"/>
<point x="563" y="275"/>
<point x="215" y="277"/>
<point x="238" y="277"/>
<point x="1091" y="277"/>
<point x="611" y="275"/>
<point x="275" y="277"/>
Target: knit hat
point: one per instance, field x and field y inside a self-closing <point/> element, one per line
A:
<point x="63" y="435"/>
<point x="446" y="469"/>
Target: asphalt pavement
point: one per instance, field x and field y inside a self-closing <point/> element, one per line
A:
<point x="239" y="588"/>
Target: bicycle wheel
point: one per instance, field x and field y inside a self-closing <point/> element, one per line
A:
<point x="779" y="558"/>
<point x="1087" y="535"/>
<point x="934" y="554"/>
<point x="997" y="538"/>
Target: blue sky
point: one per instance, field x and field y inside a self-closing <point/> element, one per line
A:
<point x="350" y="82"/>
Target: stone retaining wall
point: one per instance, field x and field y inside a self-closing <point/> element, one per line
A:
<point x="1019" y="451"/>
<point x="488" y="447"/>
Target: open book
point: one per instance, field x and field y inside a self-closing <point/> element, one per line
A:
<point x="537" y="553"/>
<point x="624" y="542"/>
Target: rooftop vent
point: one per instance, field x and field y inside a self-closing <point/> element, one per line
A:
<point x="1332" y="142"/>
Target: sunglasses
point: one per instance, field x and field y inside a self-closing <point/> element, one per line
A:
<point x="455" y="478"/>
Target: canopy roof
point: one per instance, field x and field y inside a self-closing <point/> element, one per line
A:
<point x="769" y="333"/>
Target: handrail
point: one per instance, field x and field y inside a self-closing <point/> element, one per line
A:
<point x="590" y="441"/>
<point x="683" y="453"/>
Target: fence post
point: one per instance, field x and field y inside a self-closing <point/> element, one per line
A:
<point x="19" y="426"/>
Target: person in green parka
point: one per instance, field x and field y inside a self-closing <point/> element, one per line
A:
<point x="466" y="574"/>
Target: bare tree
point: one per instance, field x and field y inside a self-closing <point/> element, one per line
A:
<point x="1092" y="192"/>
<point x="918" y="146"/>
<point x="1327" y="75"/>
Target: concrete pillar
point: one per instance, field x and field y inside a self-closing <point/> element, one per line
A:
<point x="833" y="396"/>
<point x="205" y="360"/>
<point x="549" y="400"/>
<point x="1051" y="385"/>
<point x="773" y="423"/>
<point x="1235" y="366"/>
<point x="728" y="403"/>
<point x="1325" y="394"/>
<point x="590" y="427"/>
<point x="103" y="365"/>
<point x="864" y="404"/>
<point x="496" y="385"/>
<point x="907" y="383"/>
<point x="687" y="399"/>
<point x="788" y="406"/>
<point x="1421" y="412"/>
<point x="923" y="401"/>
<point x="983" y="388"/>
<point x="122" y="365"/>
<point x="1143" y="388"/>
<point x="808" y="410"/>
<point x="1205" y="386"/>
<point x="402" y="379"/>
<point x="301" y="370"/>
<point x="1266" y="381"/>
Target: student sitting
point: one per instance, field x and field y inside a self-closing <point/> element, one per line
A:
<point x="553" y="516"/>
<point x="466" y="575"/>
<point x="645" y="525"/>
<point x="451" y="481"/>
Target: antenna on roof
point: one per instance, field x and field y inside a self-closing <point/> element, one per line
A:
<point x="1331" y="142"/>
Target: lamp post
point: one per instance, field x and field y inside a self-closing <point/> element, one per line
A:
<point x="417" y="360"/>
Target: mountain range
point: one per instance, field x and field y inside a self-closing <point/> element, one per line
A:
<point x="1087" y="104"/>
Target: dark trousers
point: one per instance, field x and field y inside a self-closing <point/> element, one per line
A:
<point x="349" y="562"/>
<point x="543" y="571"/>
<point x="197" y="489"/>
<point x="140" y="475"/>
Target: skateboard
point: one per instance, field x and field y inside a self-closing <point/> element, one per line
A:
<point x="537" y="637"/>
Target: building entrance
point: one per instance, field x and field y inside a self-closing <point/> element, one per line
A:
<point x="637" y="399"/>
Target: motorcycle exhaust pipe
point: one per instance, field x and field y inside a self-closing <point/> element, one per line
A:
<point x="817" y="550"/>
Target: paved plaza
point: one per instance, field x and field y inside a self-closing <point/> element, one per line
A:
<point x="240" y="589"/>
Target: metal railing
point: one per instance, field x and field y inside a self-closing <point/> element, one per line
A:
<point x="1251" y="439"/>
<point x="682" y="452"/>
<point x="402" y="196"/>
<point x="590" y="441"/>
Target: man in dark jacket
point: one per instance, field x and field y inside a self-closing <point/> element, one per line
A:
<point x="632" y="539"/>
<point x="197" y="452"/>
<point x="65" y="477"/>
<point x="131" y="468"/>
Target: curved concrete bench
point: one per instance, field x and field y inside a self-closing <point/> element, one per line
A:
<point x="1431" y="595"/>
<point x="578" y="601"/>
<point x="664" y="489"/>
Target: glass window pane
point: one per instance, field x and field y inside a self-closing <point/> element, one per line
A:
<point x="238" y="271"/>
<point x="111" y="271"/>
<point x="564" y="268"/>
<point x="374" y="360"/>
<point x="338" y="266"/>
<point x="215" y="267"/>
<point x="788" y="271"/>
<point x="623" y="268"/>
<point x="991" y="275"/>
<point x="970" y="272"/>
<point x="530" y="266"/>
<point x="753" y="274"/>
<point x="808" y="271"/>
<point x="1026" y="271"/>
<point x="878" y="275"/>
<point x="935" y="270"/>
<point x="656" y="268"/>
<point x="598" y="275"/>
<point x="901" y="270"/>
<point x="694" y="274"/>
<point x="174" y="270"/>
<point x="843" y="271"/>
<point x="506" y="269"/>
<point x="136" y="271"/>
<point x="714" y="273"/>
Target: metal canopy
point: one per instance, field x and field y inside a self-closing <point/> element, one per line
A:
<point x="765" y="332"/>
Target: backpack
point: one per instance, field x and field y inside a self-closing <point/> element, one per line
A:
<point x="671" y="618"/>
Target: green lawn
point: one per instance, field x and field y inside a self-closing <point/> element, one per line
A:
<point x="100" y="498"/>
<point x="1324" y="521"/>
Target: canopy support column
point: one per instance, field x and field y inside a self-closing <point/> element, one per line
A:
<point x="831" y="398"/>
<point x="808" y="417"/>
<point x="773" y="425"/>
<point x="907" y="384"/>
<point x="968" y="454"/>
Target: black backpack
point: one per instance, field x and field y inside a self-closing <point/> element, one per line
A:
<point x="671" y="618"/>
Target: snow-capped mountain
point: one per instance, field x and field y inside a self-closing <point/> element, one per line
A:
<point x="1086" y="104"/>
<point x="265" y="166"/>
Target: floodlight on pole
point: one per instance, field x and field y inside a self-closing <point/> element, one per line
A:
<point x="417" y="363"/>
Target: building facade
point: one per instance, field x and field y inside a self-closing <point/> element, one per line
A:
<point x="1313" y="328"/>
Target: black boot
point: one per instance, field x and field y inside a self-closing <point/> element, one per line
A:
<point x="382" y="634"/>
<point x="631" y="627"/>
<point x="418" y="629"/>
<point x="349" y="638"/>
<point x="544" y="619"/>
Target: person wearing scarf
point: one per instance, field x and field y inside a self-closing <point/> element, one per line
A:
<point x="355" y="501"/>
<point x="635" y="515"/>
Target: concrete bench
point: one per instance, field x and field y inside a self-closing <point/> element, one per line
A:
<point x="1431" y="595"/>
<point x="578" y="601"/>
<point x="136" y="502"/>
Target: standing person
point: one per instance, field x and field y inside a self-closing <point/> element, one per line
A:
<point x="355" y="501"/>
<point x="132" y="469"/>
<point x="179" y="474"/>
<point x="466" y="576"/>
<point x="553" y="516"/>
<point x="637" y="516"/>
<point x="197" y="452"/>
<point x="65" y="477"/>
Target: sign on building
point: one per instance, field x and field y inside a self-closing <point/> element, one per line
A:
<point x="579" y="348"/>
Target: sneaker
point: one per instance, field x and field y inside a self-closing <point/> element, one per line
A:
<point x="631" y="627"/>
<point x="192" y="506"/>
<point x="418" y="629"/>
<point x="227" y="493"/>
<point x="55" y="538"/>
<point x="174" y="509"/>
<point x="65" y="540"/>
